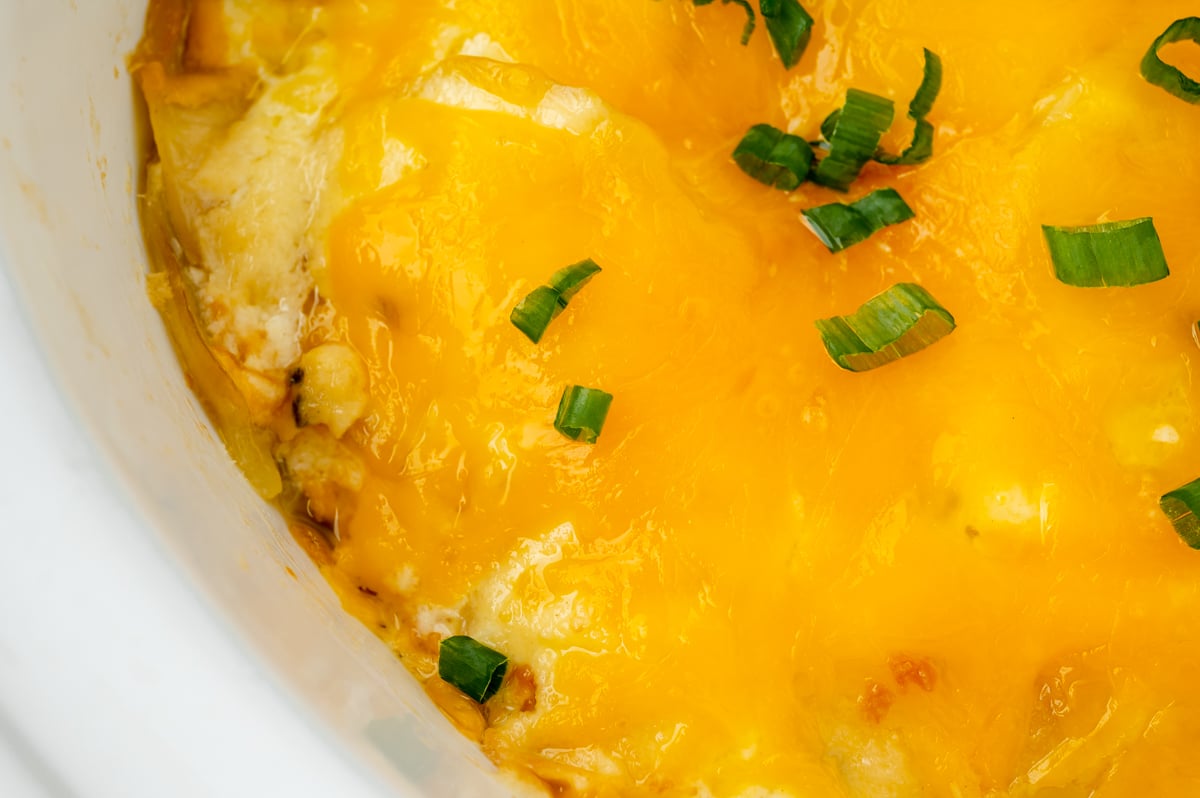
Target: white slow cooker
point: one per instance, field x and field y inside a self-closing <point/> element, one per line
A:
<point x="153" y="641"/>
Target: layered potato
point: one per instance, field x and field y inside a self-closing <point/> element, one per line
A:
<point x="948" y="576"/>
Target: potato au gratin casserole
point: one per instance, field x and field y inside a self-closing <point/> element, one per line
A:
<point x="718" y="399"/>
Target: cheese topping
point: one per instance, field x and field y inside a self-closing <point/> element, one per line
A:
<point x="769" y="577"/>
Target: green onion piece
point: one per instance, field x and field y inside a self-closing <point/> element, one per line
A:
<point x="854" y="138"/>
<point x="931" y="86"/>
<point x="790" y="27"/>
<point x="471" y="667"/>
<point x="919" y="151"/>
<point x="829" y="125"/>
<point x="1180" y="506"/>
<point x="569" y="280"/>
<point x="748" y="28"/>
<point x="1113" y="253"/>
<point x="533" y="314"/>
<point x="581" y="413"/>
<point x="902" y="320"/>
<point x="1162" y="74"/>
<point x="773" y="157"/>
<point x="885" y="207"/>
<point x="840" y="226"/>
<point x="921" y="147"/>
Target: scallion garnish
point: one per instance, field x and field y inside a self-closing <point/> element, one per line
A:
<point x="471" y="667"/>
<point x="1181" y="506"/>
<point x="788" y="24"/>
<point x="839" y="225"/>
<point x="921" y="147"/>
<point x="828" y="125"/>
<point x="853" y="138"/>
<point x="1162" y="74"/>
<point x="902" y="320"/>
<point x="748" y="28"/>
<point x="1110" y="254"/>
<point x="790" y="27"/>
<point x="569" y="280"/>
<point x="533" y="314"/>
<point x="581" y="413"/>
<point x="773" y="157"/>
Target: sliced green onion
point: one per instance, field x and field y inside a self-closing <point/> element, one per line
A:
<point x="1109" y="254"/>
<point x="569" y="280"/>
<point x="839" y="225"/>
<point x="790" y="27"/>
<point x="854" y="138"/>
<point x="885" y="207"/>
<point x="829" y="125"/>
<point x="1162" y="74"/>
<point x="931" y="86"/>
<point x="788" y="24"/>
<point x="533" y="314"/>
<point x="471" y="667"/>
<point x="1180" y="506"/>
<point x="581" y="413"/>
<point x="902" y="320"/>
<point x="921" y="147"/>
<point x="919" y="151"/>
<point x="773" y="157"/>
<point x="748" y="28"/>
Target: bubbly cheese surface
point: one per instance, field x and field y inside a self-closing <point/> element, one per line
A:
<point x="946" y="577"/>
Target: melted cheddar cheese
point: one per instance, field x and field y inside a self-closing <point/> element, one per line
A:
<point x="946" y="577"/>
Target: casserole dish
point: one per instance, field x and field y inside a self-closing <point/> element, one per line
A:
<point x="208" y="656"/>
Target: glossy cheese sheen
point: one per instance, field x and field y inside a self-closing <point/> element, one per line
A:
<point x="947" y="577"/>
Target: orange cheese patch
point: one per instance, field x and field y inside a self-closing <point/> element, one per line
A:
<point x="946" y="577"/>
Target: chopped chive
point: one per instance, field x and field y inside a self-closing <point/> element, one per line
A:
<point x="581" y="413"/>
<point x="839" y="225"/>
<point x="569" y="280"/>
<point x="789" y="26"/>
<point x="885" y="207"/>
<point x="471" y="666"/>
<point x="896" y="323"/>
<point x="1180" y="506"/>
<point x="854" y="138"/>
<point x="1110" y="254"/>
<point x="1162" y="74"/>
<point x="773" y="157"/>
<point x="829" y="124"/>
<point x="931" y="86"/>
<point x="921" y="147"/>
<point x="533" y="314"/>
<point x="748" y="28"/>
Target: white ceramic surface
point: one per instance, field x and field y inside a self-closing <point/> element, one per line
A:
<point x="151" y="641"/>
